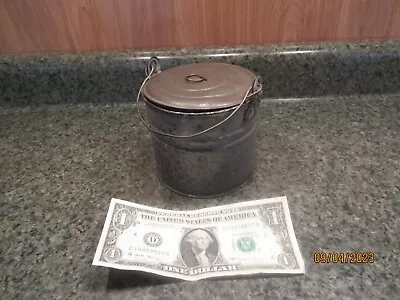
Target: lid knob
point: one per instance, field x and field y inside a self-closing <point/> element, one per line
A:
<point x="195" y="78"/>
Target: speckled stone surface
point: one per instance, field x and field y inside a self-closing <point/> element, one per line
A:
<point x="336" y="159"/>
<point x="288" y="71"/>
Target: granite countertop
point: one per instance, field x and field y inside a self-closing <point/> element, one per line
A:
<point x="336" y="158"/>
<point x="288" y="71"/>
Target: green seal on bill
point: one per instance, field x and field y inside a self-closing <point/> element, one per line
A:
<point x="246" y="244"/>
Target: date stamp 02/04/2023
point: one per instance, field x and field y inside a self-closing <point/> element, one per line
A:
<point x="344" y="257"/>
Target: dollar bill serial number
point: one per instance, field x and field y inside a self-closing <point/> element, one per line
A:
<point x="344" y="257"/>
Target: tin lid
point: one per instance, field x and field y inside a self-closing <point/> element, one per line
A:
<point x="200" y="86"/>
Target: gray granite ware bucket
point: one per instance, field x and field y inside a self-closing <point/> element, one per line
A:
<point x="203" y="119"/>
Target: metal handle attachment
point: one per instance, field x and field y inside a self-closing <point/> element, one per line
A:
<point x="154" y="67"/>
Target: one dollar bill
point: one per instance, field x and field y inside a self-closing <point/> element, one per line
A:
<point x="238" y="239"/>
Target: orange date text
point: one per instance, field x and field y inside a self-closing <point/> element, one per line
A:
<point x="344" y="257"/>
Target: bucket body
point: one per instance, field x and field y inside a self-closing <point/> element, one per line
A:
<point x="210" y="164"/>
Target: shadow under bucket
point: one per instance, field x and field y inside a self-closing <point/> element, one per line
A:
<point x="203" y="121"/>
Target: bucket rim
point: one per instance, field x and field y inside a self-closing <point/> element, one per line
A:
<point x="192" y="112"/>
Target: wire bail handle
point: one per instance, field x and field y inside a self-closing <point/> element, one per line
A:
<point x="153" y="68"/>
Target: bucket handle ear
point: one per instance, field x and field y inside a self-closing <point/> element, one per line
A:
<point x="154" y="67"/>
